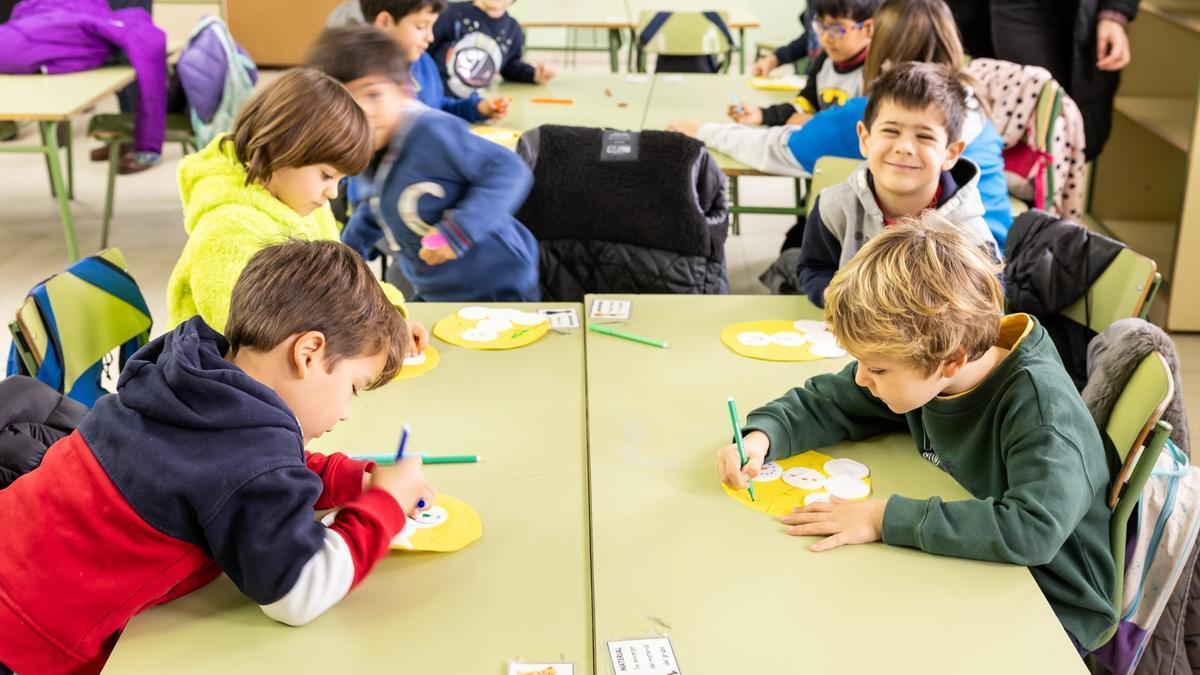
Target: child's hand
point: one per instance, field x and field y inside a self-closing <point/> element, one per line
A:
<point x="745" y="114"/>
<point x="1112" y="45"/>
<point x="845" y="522"/>
<point x="729" y="463"/>
<point x="542" y="73"/>
<point x="799" y="118"/>
<point x="764" y="66"/>
<point x="494" y="108"/>
<point x="437" y="256"/>
<point x="405" y="482"/>
<point x="685" y="127"/>
<point x="419" y="338"/>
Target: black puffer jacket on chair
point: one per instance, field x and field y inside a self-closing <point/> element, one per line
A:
<point x="33" y="416"/>
<point x="639" y="212"/>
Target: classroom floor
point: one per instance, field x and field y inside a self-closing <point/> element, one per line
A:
<point x="147" y="227"/>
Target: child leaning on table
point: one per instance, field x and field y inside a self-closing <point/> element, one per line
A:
<point x="985" y="398"/>
<point x="197" y="466"/>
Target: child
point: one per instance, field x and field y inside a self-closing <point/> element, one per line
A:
<point x="844" y="29"/>
<point x="196" y="466"/>
<point x="985" y="398"/>
<point x="410" y="23"/>
<point x="473" y="41"/>
<point x="269" y="180"/>
<point x="906" y="133"/>
<point x="445" y="196"/>
<point x="905" y="30"/>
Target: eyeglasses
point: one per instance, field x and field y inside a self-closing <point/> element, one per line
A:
<point x="835" y="31"/>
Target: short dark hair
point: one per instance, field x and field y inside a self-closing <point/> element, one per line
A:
<point x="855" y="10"/>
<point x="352" y="52"/>
<point x="398" y="8"/>
<point x="302" y="118"/>
<point x="278" y="295"/>
<point x="917" y="86"/>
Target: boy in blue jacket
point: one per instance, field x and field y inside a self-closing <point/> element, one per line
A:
<point x="410" y="23"/>
<point x="445" y="196"/>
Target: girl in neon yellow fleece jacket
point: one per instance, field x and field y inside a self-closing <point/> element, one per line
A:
<point x="231" y="210"/>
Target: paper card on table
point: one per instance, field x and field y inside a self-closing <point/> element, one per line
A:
<point x="515" y="668"/>
<point x="611" y="309"/>
<point x="651" y="655"/>
<point x="802" y="479"/>
<point x="637" y="78"/>
<point x="671" y="78"/>
<point x="561" y="318"/>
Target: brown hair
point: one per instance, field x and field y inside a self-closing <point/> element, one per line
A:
<point x="303" y="118"/>
<point x="921" y="292"/>
<point x="350" y="53"/>
<point x="917" y="86"/>
<point x="278" y="295"/>
<point x="912" y="30"/>
<point x="398" y="8"/>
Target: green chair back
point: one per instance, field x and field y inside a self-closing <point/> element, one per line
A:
<point x="685" y="34"/>
<point x="827" y="172"/>
<point x="1138" y="433"/>
<point x="1125" y="289"/>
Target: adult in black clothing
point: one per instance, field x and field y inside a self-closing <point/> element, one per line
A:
<point x="1083" y="43"/>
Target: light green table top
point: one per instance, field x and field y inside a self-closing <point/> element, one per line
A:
<point x="674" y="555"/>
<point x="592" y="105"/>
<point x="707" y="98"/>
<point x="58" y="97"/>
<point x="522" y="590"/>
<point x="571" y="13"/>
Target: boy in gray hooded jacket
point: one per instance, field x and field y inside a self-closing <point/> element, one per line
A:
<point x="912" y="165"/>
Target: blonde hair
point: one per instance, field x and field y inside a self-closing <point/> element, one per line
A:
<point x="303" y="118"/>
<point x="922" y="292"/>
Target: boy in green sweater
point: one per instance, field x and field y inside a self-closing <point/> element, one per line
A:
<point x="985" y="398"/>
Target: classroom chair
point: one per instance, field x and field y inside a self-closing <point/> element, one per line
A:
<point x="1125" y="289"/>
<point x="1138" y="434"/>
<point x="116" y="129"/>
<point x="685" y="41"/>
<point x="69" y="325"/>
<point x="827" y="172"/>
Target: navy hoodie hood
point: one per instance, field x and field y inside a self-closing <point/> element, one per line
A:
<point x="187" y="428"/>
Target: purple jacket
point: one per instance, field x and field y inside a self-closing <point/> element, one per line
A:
<point x="66" y="36"/>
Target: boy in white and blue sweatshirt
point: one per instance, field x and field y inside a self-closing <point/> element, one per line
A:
<point x="473" y="42"/>
<point x="441" y="197"/>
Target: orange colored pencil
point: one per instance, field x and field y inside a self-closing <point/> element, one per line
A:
<point x="564" y="101"/>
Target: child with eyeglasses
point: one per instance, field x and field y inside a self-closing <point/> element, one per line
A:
<point x="844" y="29"/>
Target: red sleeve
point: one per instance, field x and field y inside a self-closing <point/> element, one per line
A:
<point x="368" y="525"/>
<point x="341" y="476"/>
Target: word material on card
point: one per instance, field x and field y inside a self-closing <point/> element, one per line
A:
<point x="651" y="655"/>
<point x="416" y="366"/>
<point x="561" y="318"/>
<point x="618" y="310"/>
<point x="491" y="328"/>
<point x="800" y="480"/>
<point x="515" y="668"/>
<point x="782" y="340"/>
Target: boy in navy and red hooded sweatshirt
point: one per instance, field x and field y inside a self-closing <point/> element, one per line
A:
<point x="196" y="466"/>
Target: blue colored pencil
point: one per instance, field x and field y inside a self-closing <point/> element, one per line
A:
<point x="404" y="432"/>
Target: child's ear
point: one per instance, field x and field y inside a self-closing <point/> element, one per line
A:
<point x="869" y="26"/>
<point x="308" y="352"/>
<point x="384" y="20"/>
<point x="953" y="152"/>
<point x="951" y="366"/>
<point x="864" y="135"/>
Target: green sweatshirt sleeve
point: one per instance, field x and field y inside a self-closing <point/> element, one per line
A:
<point x="828" y="409"/>
<point x="1049" y="493"/>
<point x="219" y="249"/>
<point x="395" y="297"/>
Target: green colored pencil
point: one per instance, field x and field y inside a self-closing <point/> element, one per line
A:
<point x="607" y="330"/>
<point x="737" y="435"/>
<point x="385" y="460"/>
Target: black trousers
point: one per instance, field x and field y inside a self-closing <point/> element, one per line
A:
<point x="1041" y="33"/>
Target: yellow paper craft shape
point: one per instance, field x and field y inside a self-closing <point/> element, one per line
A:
<point x="498" y="135"/>
<point x="776" y="488"/>
<point x="491" y="328"/>
<point x="416" y="367"/>
<point x="777" y="84"/>
<point x="449" y="525"/>
<point x="778" y="340"/>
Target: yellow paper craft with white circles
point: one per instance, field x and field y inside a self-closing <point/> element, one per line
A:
<point x="777" y="84"/>
<point x="779" y="340"/>
<point x="491" y="328"/>
<point x="785" y="484"/>
<point x="421" y="364"/>
<point x="449" y="525"/>
<point x="498" y="135"/>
